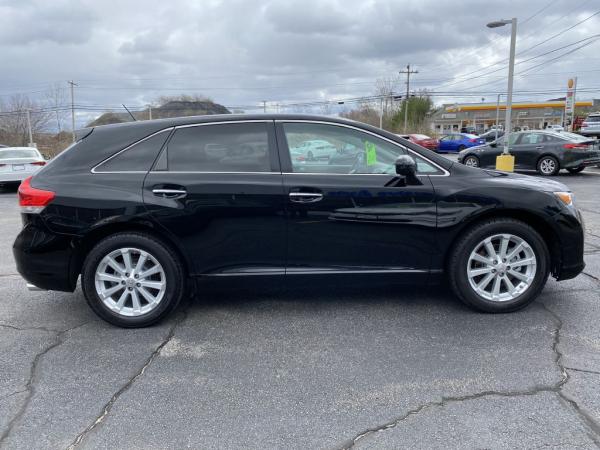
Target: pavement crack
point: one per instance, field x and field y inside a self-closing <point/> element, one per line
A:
<point x="13" y="327"/>
<point x="582" y="370"/>
<point x="591" y="276"/>
<point x="59" y="338"/>
<point x="556" y="388"/>
<point x="587" y="418"/>
<point x="108" y="406"/>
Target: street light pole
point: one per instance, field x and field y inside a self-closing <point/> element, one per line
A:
<point x="506" y="161"/>
<point x="497" y="115"/>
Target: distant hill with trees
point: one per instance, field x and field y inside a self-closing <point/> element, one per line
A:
<point x="180" y="106"/>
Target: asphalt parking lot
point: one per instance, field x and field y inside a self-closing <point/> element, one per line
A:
<point x="305" y="368"/>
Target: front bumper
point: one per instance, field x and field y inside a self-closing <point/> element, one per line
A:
<point x="568" y="255"/>
<point x="44" y="259"/>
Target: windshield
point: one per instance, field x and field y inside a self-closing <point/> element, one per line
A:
<point x="18" y="153"/>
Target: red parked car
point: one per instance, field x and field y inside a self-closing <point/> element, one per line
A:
<point x="422" y="140"/>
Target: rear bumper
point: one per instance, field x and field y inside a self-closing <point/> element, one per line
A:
<point x="45" y="259"/>
<point x="15" y="177"/>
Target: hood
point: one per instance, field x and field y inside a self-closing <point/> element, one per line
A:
<point x="528" y="181"/>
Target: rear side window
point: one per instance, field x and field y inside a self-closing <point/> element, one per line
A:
<point x="232" y="147"/>
<point x="137" y="158"/>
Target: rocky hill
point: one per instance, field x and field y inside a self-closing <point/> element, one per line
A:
<point x="173" y="108"/>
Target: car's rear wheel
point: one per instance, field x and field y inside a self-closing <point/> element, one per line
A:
<point x="548" y="165"/>
<point x="132" y="280"/>
<point x="500" y="265"/>
<point x="575" y="169"/>
<point x="471" y="161"/>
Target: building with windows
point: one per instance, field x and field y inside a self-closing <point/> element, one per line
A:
<point x="482" y="116"/>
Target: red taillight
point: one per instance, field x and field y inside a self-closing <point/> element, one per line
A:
<point x="473" y="140"/>
<point x="579" y="146"/>
<point x="300" y="158"/>
<point x="32" y="200"/>
<point x="38" y="163"/>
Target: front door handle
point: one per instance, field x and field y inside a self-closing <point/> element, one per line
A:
<point x="305" y="197"/>
<point x="170" y="193"/>
<point x="539" y="147"/>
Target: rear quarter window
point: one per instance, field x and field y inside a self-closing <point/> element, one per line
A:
<point x="137" y="158"/>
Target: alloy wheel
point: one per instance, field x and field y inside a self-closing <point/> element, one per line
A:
<point x="501" y="267"/>
<point x="130" y="282"/>
<point x="547" y="166"/>
<point x="471" y="161"/>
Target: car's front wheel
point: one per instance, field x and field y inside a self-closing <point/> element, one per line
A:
<point x="132" y="280"/>
<point x="548" y="165"/>
<point x="471" y="161"/>
<point x="500" y="265"/>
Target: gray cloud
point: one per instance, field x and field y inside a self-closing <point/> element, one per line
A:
<point x="241" y="52"/>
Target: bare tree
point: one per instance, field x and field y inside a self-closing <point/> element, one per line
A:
<point x="385" y="88"/>
<point x="56" y="99"/>
<point x="13" y="119"/>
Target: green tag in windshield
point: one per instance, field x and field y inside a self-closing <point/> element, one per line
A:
<point x="371" y="153"/>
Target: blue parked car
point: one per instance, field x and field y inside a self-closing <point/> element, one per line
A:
<point x="456" y="142"/>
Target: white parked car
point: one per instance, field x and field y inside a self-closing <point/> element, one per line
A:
<point x="555" y="127"/>
<point x="17" y="163"/>
<point x="591" y="125"/>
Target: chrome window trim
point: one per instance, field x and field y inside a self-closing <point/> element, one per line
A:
<point x="95" y="168"/>
<point x="217" y="173"/>
<point x="323" y="122"/>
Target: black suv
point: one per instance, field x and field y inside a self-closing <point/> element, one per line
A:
<point x="140" y="209"/>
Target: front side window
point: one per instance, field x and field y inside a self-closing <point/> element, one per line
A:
<point x="322" y="148"/>
<point x="231" y="147"/>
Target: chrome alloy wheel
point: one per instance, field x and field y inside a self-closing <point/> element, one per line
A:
<point x="547" y="166"/>
<point x="471" y="161"/>
<point x="501" y="267"/>
<point x="130" y="281"/>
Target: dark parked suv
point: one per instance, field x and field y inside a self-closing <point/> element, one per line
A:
<point x="137" y="210"/>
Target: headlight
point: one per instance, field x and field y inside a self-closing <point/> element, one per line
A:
<point x="567" y="198"/>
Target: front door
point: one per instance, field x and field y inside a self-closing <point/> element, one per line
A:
<point x="352" y="214"/>
<point x="217" y="190"/>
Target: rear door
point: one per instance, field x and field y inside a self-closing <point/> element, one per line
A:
<point x="527" y="147"/>
<point x="216" y="189"/>
<point x="356" y="216"/>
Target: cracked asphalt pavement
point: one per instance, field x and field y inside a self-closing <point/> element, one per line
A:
<point x="331" y="368"/>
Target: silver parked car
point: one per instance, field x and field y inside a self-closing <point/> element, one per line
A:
<point x="18" y="163"/>
<point x="591" y="125"/>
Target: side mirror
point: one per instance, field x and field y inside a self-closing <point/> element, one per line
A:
<point x="406" y="166"/>
<point x="493" y="144"/>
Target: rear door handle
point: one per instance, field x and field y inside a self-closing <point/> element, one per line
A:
<point x="170" y="193"/>
<point x="539" y="147"/>
<point x="305" y="197"/>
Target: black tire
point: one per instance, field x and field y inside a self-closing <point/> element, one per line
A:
<point x="545" y="173"/>
<point x="459" y="259"/>
<point x="473" y="158"/>
<point x="575" y="169"/>
<point x="168" y="259"/>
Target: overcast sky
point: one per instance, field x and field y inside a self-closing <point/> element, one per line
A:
<point x="240" y="52"/>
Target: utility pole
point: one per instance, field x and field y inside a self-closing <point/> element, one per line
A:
<point x="264" y="106"/>
<point x="72" y="109"/>
<point x="31" y="143"/>
<point x="381" y="112"/>
<point x="407" y="72"/>
<point x="149" y="112"/>
<point x="497" y="116"/>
